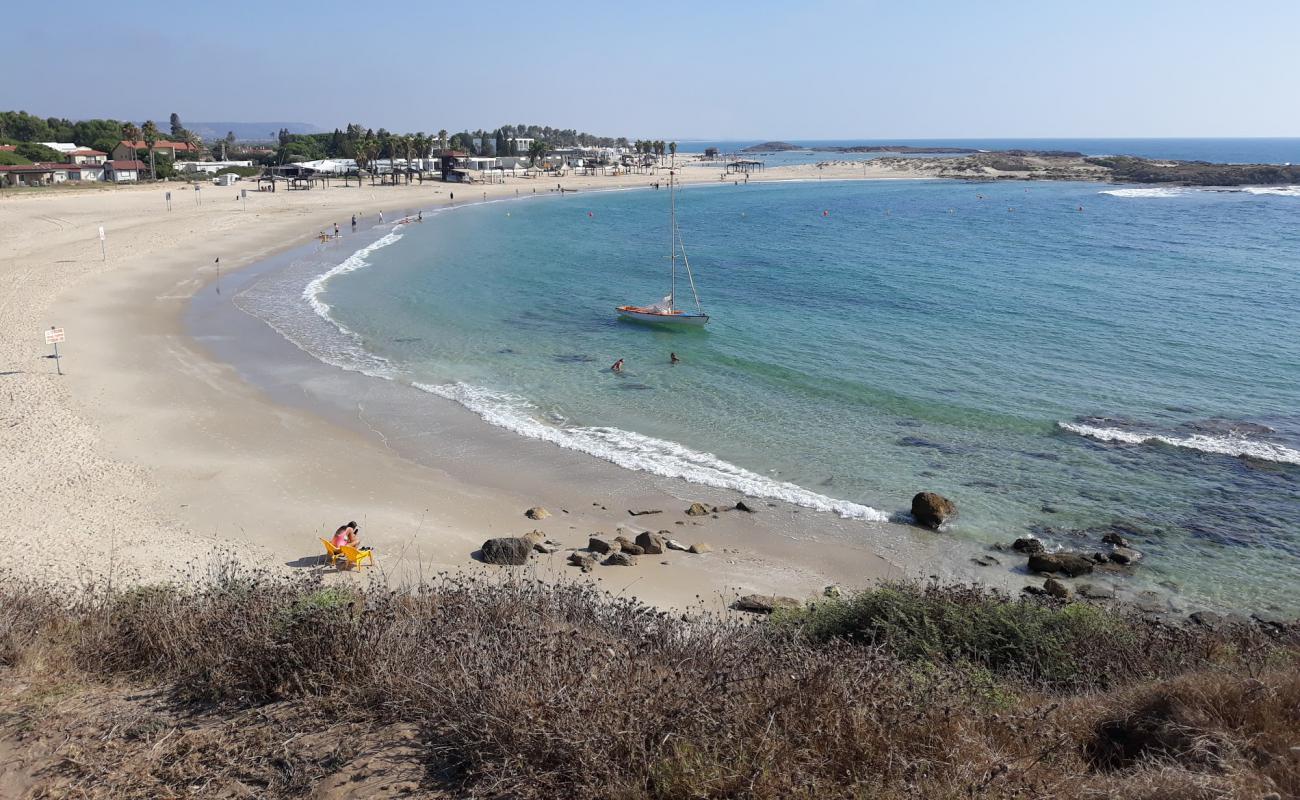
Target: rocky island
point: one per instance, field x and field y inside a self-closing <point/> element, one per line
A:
<point x="1050" y="165"/>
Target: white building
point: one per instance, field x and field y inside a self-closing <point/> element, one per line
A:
<point x="210" y="167"/>
<point x="123" y="171"/>
<point x="62" y="147"/>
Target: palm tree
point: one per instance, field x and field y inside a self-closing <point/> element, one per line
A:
<point x="193" y="140"/>
<point x="130" y="132"/>
<point x="536" y="152"/>
<point x="408" y="149"/>
<point x="442" y="139"/>
<point x="361" y="154"/>
<point x="672" y="148"/>
<point x="150" y="133"/>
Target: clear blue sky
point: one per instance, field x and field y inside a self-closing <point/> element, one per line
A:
<point x="866" y="69"/>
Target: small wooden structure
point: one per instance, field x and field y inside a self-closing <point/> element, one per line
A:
<point x="744" y="165"/>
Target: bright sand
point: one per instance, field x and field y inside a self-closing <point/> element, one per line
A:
<point x="148" y="457"/>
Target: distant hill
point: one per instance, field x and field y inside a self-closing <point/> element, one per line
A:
<point x="249" y="131"/>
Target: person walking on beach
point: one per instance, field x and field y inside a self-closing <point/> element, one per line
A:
<point x="618" y="366"/>
<point x="336" y="230"/>
<point x="354" y="222"/>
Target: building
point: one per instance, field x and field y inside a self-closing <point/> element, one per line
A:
<point x="123" y="170"/>
<point x="47" y="173"/>
<point x="8" y="148"/>
<point x="28" y="175"/>
<point x="210" y="167"/>
<point x="84" y="155"/>
<point x="61" y="147"/>
<point x="126" y="151"/>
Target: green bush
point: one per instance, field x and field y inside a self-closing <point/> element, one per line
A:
<point x="1034" y="640"/>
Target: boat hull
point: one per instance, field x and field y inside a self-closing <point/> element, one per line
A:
<point x="678" y="320"/>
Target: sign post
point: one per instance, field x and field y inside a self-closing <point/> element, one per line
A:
<point x="103" y="249"/>
<point x="54" y="336"/>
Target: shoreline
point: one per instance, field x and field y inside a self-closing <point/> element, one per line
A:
<point x="229" y="458"/>
<point x="191" y="460"/>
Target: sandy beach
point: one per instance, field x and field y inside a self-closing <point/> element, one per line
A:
<point x="148" y="459"/>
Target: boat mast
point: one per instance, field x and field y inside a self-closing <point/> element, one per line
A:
<point x="672" y="233"/>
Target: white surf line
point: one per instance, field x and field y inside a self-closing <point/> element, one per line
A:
<point x="1220" y="445"/>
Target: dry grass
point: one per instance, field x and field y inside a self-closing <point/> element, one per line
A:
<point x="522" y="689"/>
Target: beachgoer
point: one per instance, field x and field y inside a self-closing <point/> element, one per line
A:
<point x="341" y="536"/>
<point x="354" y="221"/>
<point x="673" y="359"/>
<point x="419" y="215"/>
<point x="453" y="196"/>
<point x="336" y="230"/>
<point x="618" y="366"/>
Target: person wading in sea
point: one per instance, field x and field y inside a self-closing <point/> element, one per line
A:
<point x="618" y="366"/>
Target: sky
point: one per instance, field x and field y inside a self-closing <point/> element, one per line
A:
<point x="675" y="70"/>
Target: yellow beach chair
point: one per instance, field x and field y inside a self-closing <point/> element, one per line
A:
<point x="331" y="552"/>
<point x="357" y="557"/>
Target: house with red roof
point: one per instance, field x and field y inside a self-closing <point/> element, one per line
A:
<point x="123" y="170"/>
<point x="85" y="155"/>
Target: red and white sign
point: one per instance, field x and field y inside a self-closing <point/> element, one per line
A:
<point x="54" y="336"/>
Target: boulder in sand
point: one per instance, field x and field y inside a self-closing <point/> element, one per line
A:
<point x="620" y="560"/>
<point x="512" y="550"/>
<point x="537" y="512"/>
<point x="585" y="560"/>
<point x="1027" y="544"/>
<point x="700" y="548"/>
<point x="697" y="510"/>
<point x="598" y="545"/>
<point x="932" y="510"/>
<point x="652" y="543"/>
<point x="673" y="544"/>
<point x="764" y="603"/>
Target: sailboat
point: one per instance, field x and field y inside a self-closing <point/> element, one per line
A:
<point x="665" y="312"/>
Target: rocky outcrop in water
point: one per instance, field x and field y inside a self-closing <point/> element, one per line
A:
<point x="1071" y="564"/>
<point x="932" y="510"/>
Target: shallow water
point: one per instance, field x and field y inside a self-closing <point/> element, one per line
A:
<point x="1133" y="364"/>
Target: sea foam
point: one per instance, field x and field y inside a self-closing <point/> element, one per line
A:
<point x="1223" y="445"/>
<point x="1185" y="191"/>
<point x="635" y="451"/>
<point x="316" y="287"/>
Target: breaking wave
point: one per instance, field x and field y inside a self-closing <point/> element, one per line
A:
<point x="316" y="287"/>
<point x="638" y="452"/>
<point x="1229" y="445"/>
<point x="1184" y="191"/>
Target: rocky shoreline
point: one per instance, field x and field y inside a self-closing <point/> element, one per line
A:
<point x="1060" y="570"/>
<point x="1036" y="165"/>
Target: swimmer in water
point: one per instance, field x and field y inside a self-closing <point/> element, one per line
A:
<point x="618" y="366"/>
<point x="673" y="359"/>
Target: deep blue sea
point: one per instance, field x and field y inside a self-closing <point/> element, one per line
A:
<point x="1059" y="358"/>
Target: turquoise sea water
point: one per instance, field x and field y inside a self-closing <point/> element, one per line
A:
<point x="1134" y="364"/>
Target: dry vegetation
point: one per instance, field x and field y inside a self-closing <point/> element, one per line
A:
<point x="254" y="686"/>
